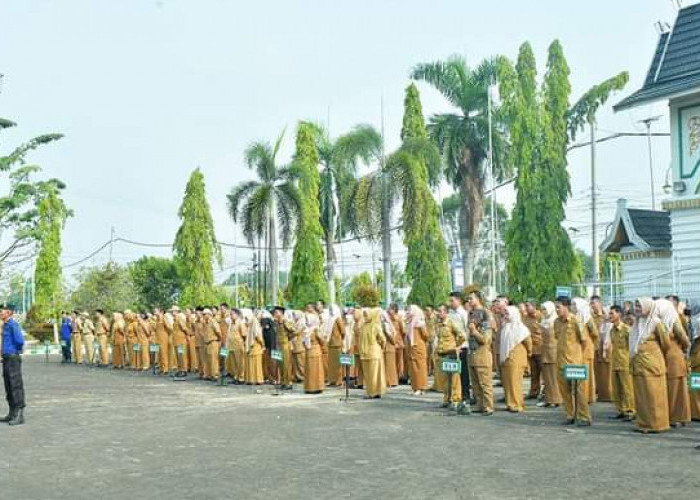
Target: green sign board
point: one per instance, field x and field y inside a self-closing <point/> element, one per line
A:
<point x="276" y="354"/>
<point x="63" y="343"/>
<point x="576" y="372"/>
<point x="97" y="346"/>
<point x="154" y="348"/>
<point x="564" y="291"/>
<point x="223" y="352"/>
<point x="695" y="381"/>
<point x="347" y="360"/>
<point x="451" y="365"/>
<point x="137" y="347"/>
<point x="180" y="349"/>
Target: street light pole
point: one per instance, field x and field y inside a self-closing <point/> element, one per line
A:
<point x="493" y="207"/>
<point x="594" y="212"/>
<point x="647" y="122"/>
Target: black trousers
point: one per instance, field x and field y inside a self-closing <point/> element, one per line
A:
<point x="464" y="375"/>
<point x="12" y="376"/>
<point x="66" y="351"/>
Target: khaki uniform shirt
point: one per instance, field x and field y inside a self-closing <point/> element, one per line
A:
<point x="620" y="340"/>
<point x="571" y="340"/>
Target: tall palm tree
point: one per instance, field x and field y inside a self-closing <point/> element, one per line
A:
<point x="262" y="204"/>
<point x="462" y="138"/>
<point x="339" y="161"/>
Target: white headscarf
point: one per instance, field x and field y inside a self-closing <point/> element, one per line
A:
<point x="387" y="325"/>
<point x="550" y="315"/>
<point x="667" y="313"/>
<point x="254" y="330"/>
<point x="514" y="332"/>
<point x="311" y="324"/>
<point x="582" y="309"/>
<point x="645" y="325"/>
<point x="417" y="321"/>
<point x="332" y="316"/>
<point x="349" y="330"/>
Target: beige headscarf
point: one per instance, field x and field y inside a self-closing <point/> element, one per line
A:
<point x="311" y="324"/>
<point x="667" y="313"/>
<point x="349" y="338"/>
<point x="387" y="325"/>
<point x="333" y="315"/>
<point x="582" y="309"/>
<point x="550" y="314"/>
<point x="417" y="321"/>
<point x="514" y="332"/>
<point x="645" y="325"/>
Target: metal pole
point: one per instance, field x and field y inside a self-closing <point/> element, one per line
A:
<point x="235" y="269"/>
<point x="493" y="206"/>
<point x="594" y="213"/>
<point x="647" y="122"/>
<point x="111" y="243"/>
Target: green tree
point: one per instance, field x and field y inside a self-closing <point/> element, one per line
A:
<point x="196" y="249"/>
<point x="157" y="282"/>
<point x="261" y="204"/>
<point x="306" y="280"/>
<point x="462" y="138"/>
<point x="426" y="265"/>
<point x="19" y="215"/>
<point x="47" y="275"/>
<point x="540" y="253"/>
<point x="339" y="161"/>
<point x="108" y="287"/>
<point x="13" y="292"/>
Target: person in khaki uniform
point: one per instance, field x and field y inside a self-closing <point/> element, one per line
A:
<point x="131" y="339"/>
<point x="552" y="396"/>
<point x="87" y="330"/>
<point x="694" y="360"/>
<point x="369" y="345"/>
<point x="169" y="322"/>
<point x="399" y="344"/>
<point x="161" y="338"/>
<point x="236" y="347"/>
<point x="601" y="359"/>
<point x="648" y="343"/>
<point x="480" y="357"/>
<point x="334" y="334"/>
<point x="416" y="339"/>
<point x="180" y="340"/>
<point x="255" y="346"/>
<point x="532" y="320"/>
<point x="223" y="318"/>
<point x="622" y="391"/>
<point x="358" y="319"/>
<point x="102" y="329"/>
<point x="192" y="365"/>
<point x="286" y="331"/>
<point x="449" y="337"/>
<point x="143" y="335"/>
<point x="201" y="344"/>
<point x="571" y="344"/>
<point x="676" y="365"/>
<point x="391" y="372"/>
<point x="213" y="337"/>
<point x="118" y="340"/>
<point x="582" y="309"/>
<point x="515" y="346"/>
<point x="76" y="341"/>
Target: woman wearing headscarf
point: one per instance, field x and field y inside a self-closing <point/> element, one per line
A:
<point x="648" y="343"/>
<point x="333" y="335"/>
<point x="143" y="333"/>
<point x="392" y="375"/>
<point x="552" y="396"/>
<point x="118" y="340"/>
<point x="416" y="338"/>
<point x="694" y="361"/>
<point x="582" y="309"/>
<point x="515" y="348"/>
<point x="358" y="319"/>
<point x="314" y="378"/>
<point x="371" y="342"/>
<point x="254" y="347"/>
<point x="676" y="366"/>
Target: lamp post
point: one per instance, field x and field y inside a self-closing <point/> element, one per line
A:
<point x="647" y="122"/>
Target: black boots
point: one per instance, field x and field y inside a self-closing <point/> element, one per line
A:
<point x="18" y="418"/>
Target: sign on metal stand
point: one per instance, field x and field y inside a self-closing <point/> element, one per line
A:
<point x="153" y="351"/>
<point x="46" y="345"/>
<point x="575" y="374"/>
<point x="450" y="366"/>
<point x="694" y="381"/>
<point x="223" y="354"/>
<point x="347" y="360"/>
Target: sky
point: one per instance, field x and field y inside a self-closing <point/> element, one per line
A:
<point x="146" y="91"/>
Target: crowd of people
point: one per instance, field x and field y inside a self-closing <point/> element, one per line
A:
<point x="638" y="356"/>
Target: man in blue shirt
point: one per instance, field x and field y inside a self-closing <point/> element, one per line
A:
<point x="12" y="345"/>
<point x="66" y="332"/>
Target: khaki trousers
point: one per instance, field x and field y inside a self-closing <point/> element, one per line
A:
<point x="104" y="350"/>
<point x="480" y="377"/>
<point x="89" y="341"/>
<point x="213" y="358"/>
<point x="623" y="391"/>
<point x="76" y="344"/>
<point x="565" y="388"/>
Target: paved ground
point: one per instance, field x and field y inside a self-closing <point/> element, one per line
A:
<point x="112" y="435"/>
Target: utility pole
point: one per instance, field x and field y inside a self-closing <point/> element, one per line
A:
<point x="647" y="122"/>
<point x="385" y="223"/>
<point x="493" y="204"/>
<point x="111" y="244"/>
<point x="594" y="212"/>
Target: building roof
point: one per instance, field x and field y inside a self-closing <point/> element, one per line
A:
<point x="675" y="67"/>
<point x="645" y="230"/>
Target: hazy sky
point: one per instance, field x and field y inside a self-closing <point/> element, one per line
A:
<point x="147" y="90"/>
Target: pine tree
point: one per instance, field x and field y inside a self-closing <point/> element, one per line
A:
<point x="47" y="275"/>
<point x="195" y="248"/>
<point x="426" y="265"/>
<point x="306" y="280"/>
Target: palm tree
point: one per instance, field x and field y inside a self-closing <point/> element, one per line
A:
<point x="262" y="204"/>
<point x="462" y="138"/>
<point x="339" y="163"/>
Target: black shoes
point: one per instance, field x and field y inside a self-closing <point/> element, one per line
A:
<point x="10" y="416"/>
<point x="18" y="418"/>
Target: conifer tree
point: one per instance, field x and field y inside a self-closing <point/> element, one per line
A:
<point x="306" y="280"/>
<point x="195" y="248"/>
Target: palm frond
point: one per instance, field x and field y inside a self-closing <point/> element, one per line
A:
<point x="237" y="194"/>
<point x="442" y="76"/>
<point x="288" y="201"/>
<point x="254" y="213"/>
<point x="362" y="144"/>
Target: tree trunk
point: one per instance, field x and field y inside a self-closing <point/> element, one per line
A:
<point x="386" y="240"/>
<point x="473" y="194"/>
<point x="274" y="264"/>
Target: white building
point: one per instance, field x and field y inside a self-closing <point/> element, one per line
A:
<point x="674" y="75"/>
